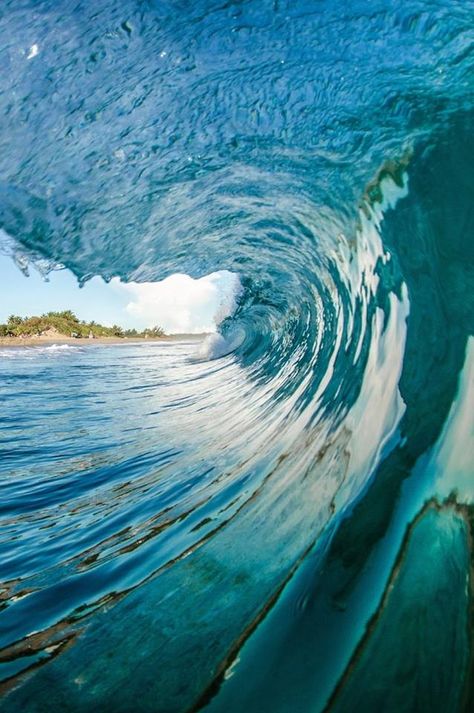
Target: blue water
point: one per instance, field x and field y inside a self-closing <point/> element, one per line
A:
<point x="283" y="523"/>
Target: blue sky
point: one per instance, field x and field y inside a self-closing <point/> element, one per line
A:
<point x="178" y="304"/>
<point x="32" y="295"/>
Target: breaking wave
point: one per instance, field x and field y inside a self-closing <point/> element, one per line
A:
<point x="283" y="523"/>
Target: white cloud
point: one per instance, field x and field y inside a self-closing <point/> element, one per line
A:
<point x="180" y="304"/>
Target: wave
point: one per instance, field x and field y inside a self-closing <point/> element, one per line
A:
<point x="20" y="351"/>
<point x="59" y="347"/>
<point x="283" y="521"/>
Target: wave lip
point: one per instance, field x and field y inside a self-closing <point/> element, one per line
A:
<point x="169" y="518"/>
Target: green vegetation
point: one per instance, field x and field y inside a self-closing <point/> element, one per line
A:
<point x="67" y="324"/>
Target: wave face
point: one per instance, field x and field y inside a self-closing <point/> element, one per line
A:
<point x="284" y="521"/>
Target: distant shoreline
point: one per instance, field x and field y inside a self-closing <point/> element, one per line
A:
<point x="84" y="341"/>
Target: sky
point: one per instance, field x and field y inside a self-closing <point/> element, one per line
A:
<point x="178" y="304"/>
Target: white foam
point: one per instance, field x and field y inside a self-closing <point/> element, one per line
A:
<point x="31" y="351"/>
<point x="230" y="290"/>
<point x="215" y="346"/>
<point x="60" y="347"/>
<point x="33" y="51"/>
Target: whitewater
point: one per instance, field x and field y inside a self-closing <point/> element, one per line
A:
<point x="281" y="518"/>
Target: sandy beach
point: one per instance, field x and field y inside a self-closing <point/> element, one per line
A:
<point x="98" y="341"/>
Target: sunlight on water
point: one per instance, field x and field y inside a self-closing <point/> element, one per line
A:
<point x="276" y="517"/>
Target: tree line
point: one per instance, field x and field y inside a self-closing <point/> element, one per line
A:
<point x="66" y="323"/>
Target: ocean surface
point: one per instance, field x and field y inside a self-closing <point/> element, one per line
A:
<point x="279" y="519"/>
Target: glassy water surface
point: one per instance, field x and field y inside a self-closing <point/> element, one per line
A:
<point x="279" y="519"/>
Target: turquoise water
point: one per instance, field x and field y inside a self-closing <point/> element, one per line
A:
<point x="281" y="520"/>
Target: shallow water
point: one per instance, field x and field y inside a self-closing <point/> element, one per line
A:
<point x="279" y="519"/>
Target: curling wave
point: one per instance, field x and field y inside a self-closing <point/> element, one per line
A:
<point x="283" y="523"/>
